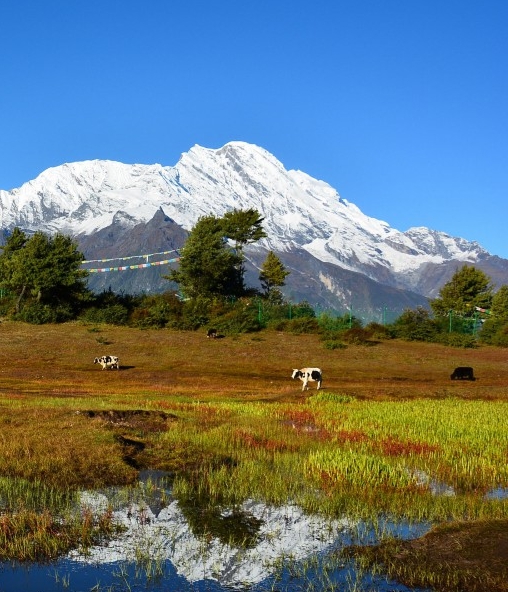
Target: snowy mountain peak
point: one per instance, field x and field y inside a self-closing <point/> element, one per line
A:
<point x="300" y="213"/>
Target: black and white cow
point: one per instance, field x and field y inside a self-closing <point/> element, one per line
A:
<point x="211" y="333"/>
<point x="463" y="373"/>
<point x="108" y="362"/>
<point x="307" y="375"/>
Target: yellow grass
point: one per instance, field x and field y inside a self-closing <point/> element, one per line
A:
<point x="39" y="364"/>
<point x="47" y="377"/>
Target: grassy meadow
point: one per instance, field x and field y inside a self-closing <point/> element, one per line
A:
<point x="389" y="434"/>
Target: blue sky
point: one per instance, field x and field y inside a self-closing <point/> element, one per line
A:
<point x="401" y="105"/>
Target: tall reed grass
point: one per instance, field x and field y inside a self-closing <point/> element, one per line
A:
<point x="40" y="523"/>
<point x="342" y="455"/>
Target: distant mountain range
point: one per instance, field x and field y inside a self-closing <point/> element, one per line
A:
<point x="338" y="257"/>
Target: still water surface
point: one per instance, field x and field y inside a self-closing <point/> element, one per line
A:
<point x="255" y="548"/>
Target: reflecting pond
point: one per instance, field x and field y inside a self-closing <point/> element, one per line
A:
<point x="168" y="545"/>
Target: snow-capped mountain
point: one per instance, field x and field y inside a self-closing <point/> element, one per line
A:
<point x="336" y="253"/>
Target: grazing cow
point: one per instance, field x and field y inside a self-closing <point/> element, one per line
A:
<point x="108" y="362"/>
<point x="211" y="333"/>
<point x="463" y="373"/>
<point x="307" y="375"/>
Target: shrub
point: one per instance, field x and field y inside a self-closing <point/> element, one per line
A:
<point x="495" y="332"/>
<point x="302" y="309"/>
<point x="500" y="338"/>
<point x="332" y="335"/>
<point x="37" y="314"/>
<point x="457" y="340"/>
<point x="379" y="331"/>
<point x="333" y="325"/>
<point x="116" y="314"/>
<point x="240" y="325"/>
<point x="157" y="310"/>
<point x="333" y="344"/>
<point x="277" y="325"/>
<point x="299" y="325"/>
<point x="195" y="314"/>
<point x="7" y="305"/>
<point x="271" y="313"/>
<point x="356" y="336"/>
<point x="238" y="321"/>
<point x="416" y="325"/>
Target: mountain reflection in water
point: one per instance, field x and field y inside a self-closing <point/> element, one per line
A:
<point x="245" y="548"/>
<point x="281" y="532"/>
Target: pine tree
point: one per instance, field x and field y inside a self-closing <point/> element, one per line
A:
<point x="495" y="326"/>
<point x="273" y="276"/>
<point x="499" y="308"/>
<point x="42" y="269"/>
<point x="243" y="227"/>
<point x="208" y="266"/>
<point x="468" y="288"/>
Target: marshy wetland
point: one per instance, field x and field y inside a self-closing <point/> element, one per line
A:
<point x="200" y="464"/>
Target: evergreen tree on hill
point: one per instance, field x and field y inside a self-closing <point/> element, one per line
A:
<point x="209" y="266"/>
<point x="495" y="326"/>
<point x="469" y="288"/>
<point x="43" y="270"/>
<point x="273" y="276"/>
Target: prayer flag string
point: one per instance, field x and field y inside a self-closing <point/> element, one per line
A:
<point x="138" y="266"/>
<point x="130" y="257"/>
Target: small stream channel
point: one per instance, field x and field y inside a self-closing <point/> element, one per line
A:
<point x="167" y="546"/>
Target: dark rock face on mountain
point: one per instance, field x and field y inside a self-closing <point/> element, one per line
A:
<point x="116" y="245"/>
<point x="329" y="287"/>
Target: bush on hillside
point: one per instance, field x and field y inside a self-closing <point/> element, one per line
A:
<point x="500" y="337"/>
<point x="237" y="322"/>
<point x="357" y="336"/>
<point x="115" y="314"/>
<point x="156" y="311"/>
<point x="297" y="326"/>
<point x="457" y="340"/>
<point x="416" y="325"/>
<point x="36" y="314"/>
<point x="195" y="314"/>
<point x="334" y="344"/>
<point x="330" y="325"/>
<point x="379" y="331"/>
<point x="495" y="332"/>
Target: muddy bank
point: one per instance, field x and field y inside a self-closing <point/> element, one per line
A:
<point x="470" y="556"/>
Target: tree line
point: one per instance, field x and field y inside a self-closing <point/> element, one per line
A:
<point x="41" y="281"/>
